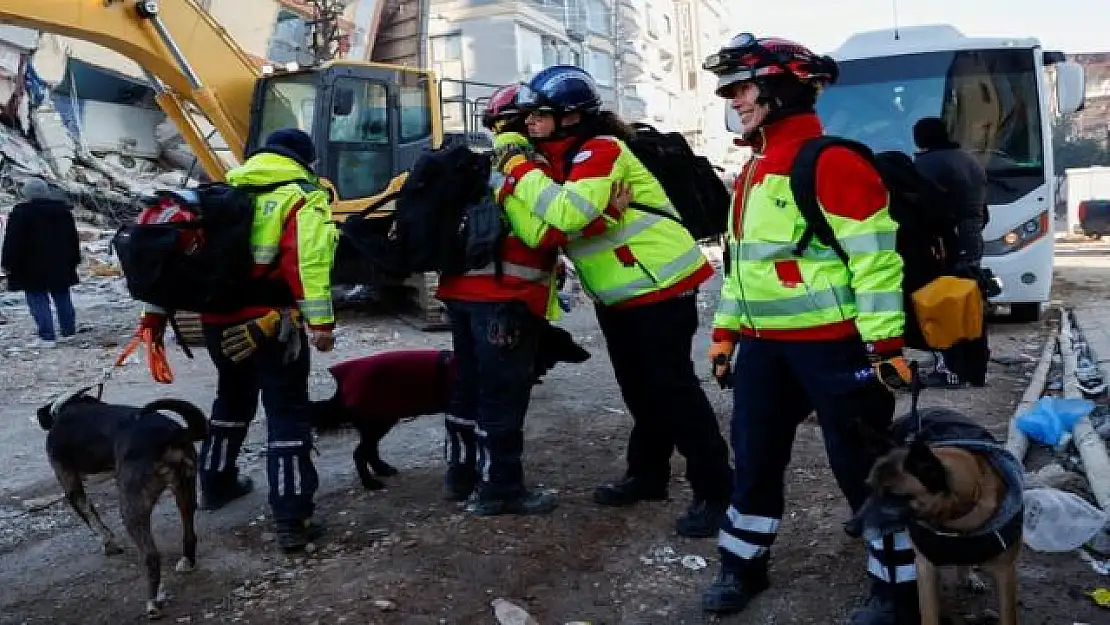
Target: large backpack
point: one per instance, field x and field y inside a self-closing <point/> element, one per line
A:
<point x="201" y="263"/>
<point x="444" y="218"/>
<point x="691" y="183"/>
<point x="926" y="225"/>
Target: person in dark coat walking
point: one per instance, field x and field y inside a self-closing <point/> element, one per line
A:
<point x="964" y="182"/>
<point x="40" y="257"/>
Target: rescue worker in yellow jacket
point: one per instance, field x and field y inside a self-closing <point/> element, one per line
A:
<point x="810" y="332"/>
<point x="262" y="349"/>
<point x="642" y="271"/>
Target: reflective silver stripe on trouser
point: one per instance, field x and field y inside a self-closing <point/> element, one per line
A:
<point x="811" y="300"/>
<point x="217" y="452"/>
<point x="747" y="536"/>
<point x="754" y="251"/>
<point x="316" y="308"/>
<point x="483" y="454"/>
<point x="455" y="439"/>
<point x="264" y="254"/>
<point x="550" y="193"/>
<point x="665" y="274"/>
<point x="515" y="270"/>
<point x="899" y="560"/>
<point x="293" y="466"/>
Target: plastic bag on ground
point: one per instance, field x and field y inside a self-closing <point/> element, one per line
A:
<point x="1051" y="418"/>
<point x="1057" y="521"/>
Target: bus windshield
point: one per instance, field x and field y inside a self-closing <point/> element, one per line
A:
<point x="987" y="98"/>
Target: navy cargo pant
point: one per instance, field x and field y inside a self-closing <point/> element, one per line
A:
<point x="777" y="385"/>
<point x="284" y="389"/>
<point x="495" y="352"/>
<point x="650" y="347"/>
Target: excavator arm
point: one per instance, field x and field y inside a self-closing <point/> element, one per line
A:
<point x="187" y="55"/>
<point x="369" y="121"/>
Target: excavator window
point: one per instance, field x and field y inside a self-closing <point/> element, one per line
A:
<point x="289" y="103"/>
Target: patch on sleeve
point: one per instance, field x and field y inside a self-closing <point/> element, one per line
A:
<point x="582" y="157"/>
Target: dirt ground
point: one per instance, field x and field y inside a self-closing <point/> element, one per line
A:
<point x="405" y="556"/>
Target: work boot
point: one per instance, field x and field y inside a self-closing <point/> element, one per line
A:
<point x="702" y="519"/>
<point x="628" y="491"/>
<point x="459" y="482"/>
<point x="225" y="492"/>
<point x="889" y="604"/>
<point x="854" y="527"/>
<point x="295" y="535"/>
<point x="529" y="503"/>
<point x="735" y="587"/>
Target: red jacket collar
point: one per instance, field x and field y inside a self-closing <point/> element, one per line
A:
<point x="791" y="129"/>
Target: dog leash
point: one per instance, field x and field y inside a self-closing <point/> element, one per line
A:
<point x="915" y="395"/>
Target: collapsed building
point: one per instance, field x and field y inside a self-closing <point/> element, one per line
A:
<point x="94" y="134"/>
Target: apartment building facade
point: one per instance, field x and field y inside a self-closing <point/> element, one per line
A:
<point x="645" y="54"/>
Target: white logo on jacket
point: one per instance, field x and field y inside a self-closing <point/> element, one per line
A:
<point x="582" y="157"/>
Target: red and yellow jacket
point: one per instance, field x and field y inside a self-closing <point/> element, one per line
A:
<point x="623" y="258"/>
<point x="771" y="293"/>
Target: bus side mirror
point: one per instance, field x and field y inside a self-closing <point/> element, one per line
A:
<point x="1070" y="87"/>
<point x="732" y="120"/>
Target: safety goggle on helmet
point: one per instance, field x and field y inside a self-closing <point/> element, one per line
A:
<point x="501" y="106"/>
<point x="745" y="57"/>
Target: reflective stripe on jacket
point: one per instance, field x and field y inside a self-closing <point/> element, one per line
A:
<point x="292" y="237"/>
<point x="770" y="292"/>
<point x="623" y="258"/>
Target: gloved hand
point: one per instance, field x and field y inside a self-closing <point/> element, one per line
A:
<point x="720" y="355"/>
<point x="323" y="340"/>
<point x="504" y="139"/>
<point x="892" y="369"/>
<point x="240" y="341"/>
<point x="507" y="157"/>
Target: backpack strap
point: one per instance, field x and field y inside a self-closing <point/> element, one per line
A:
<point x="803" y="184"/>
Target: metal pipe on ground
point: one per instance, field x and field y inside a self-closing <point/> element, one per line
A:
<point x="1092" y="450"/>
<point x="1016" y="441"/>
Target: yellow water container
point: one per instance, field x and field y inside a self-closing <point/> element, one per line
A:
<point x="949" y="310"/>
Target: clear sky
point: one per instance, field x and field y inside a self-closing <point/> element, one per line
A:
<point x="1067" y="25"/>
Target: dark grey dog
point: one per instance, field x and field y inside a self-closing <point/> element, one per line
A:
<point x="148" y="449"/>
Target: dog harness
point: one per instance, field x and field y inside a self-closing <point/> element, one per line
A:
<point x="947" y="428"/>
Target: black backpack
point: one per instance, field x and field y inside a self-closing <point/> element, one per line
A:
<point x="926" y="226"/>
<point x="690" y="181"/>
<point x="444" y="218"/>
<point x="204" y="264"/>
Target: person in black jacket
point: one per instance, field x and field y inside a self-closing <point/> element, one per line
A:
<point x="40" y="256"/>
<point x="964" y="183"/>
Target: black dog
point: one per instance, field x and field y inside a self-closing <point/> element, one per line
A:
<point x="376" y="392"/>
<point x="148" y="449"/>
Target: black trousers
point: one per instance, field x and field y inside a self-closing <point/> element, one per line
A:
<point x="777" y="385"/>
<point x="650" y="347"/>
<point x="284" y="390"/>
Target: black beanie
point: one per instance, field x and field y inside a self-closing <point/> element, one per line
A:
<point x="929" y="133"/>
<point x="293" y="143"/>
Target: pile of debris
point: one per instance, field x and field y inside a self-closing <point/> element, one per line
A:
<point x="105" y="185"/>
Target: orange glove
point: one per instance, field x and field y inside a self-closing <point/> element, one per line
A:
<point x="892" y="370"/>
<point x="720" y="355"/>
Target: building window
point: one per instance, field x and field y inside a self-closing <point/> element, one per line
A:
<point x="598" y="17"/>
<point x="447" y="47"/>
<point x="529" y="51"/>
<point x="601" y="67"/>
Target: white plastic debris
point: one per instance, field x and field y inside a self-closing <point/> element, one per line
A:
<point x="694" y="563"/>
<point x="509" y="613"/>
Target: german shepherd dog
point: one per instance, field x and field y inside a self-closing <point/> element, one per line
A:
<point x="148" y="449"/>
<point x="959" y="493"/>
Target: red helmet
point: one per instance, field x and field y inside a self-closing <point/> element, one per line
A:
<point x="501" y="106"/>
<point x="746" y="58"/>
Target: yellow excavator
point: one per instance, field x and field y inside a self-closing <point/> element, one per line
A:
<point x="370" y="121"/>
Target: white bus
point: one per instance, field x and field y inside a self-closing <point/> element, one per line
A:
<point x="996" y="97"/>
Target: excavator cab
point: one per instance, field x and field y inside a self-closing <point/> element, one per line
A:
<point x="370" y="122"/>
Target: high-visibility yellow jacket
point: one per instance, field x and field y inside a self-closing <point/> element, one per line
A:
<point x="622" y="258"/>
<point x="292" y="239"/>
<point x="771" y="293"/>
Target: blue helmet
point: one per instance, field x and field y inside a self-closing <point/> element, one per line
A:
<point x="561" y="89"/>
